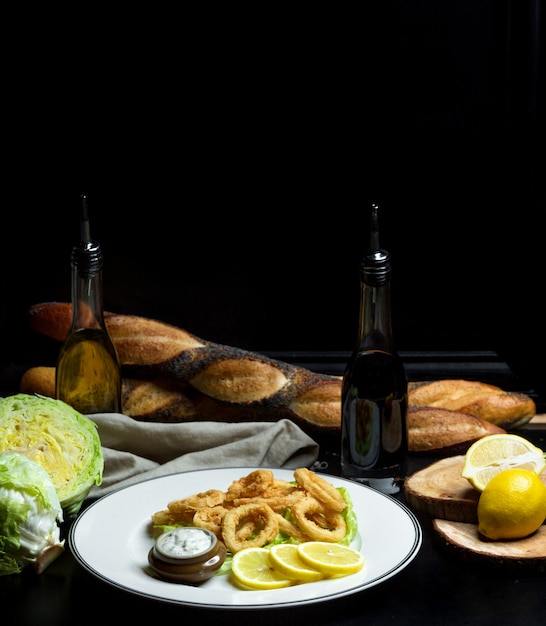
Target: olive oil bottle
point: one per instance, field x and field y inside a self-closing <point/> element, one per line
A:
<point x="374" y="395"/>
<point x="88" y="373"/>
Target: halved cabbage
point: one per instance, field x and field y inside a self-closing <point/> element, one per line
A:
<point x="57" y="437"/>
<point x="30" y="513"/>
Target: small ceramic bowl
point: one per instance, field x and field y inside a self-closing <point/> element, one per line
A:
<point x="187" y="555"/>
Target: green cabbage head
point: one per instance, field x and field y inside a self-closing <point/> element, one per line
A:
<point x="30" y="513"/>
<point x="57" y="437"/>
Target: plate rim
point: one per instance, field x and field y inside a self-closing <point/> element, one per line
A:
<point x="402" y="564"/>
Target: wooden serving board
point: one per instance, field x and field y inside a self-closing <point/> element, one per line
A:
<point x="440" y="491"/>
<point x="465" y="537"/>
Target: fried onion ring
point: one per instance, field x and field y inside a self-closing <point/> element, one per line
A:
<point x="281" y="488"/>
<point x="320" y="488"/>
<point x="211" y="518"/>
<point x="164" y="518"/>
<point x="291" y="530"/>
<point x="212" y="497"/>
<point x="319" y="522"/>
<point x="278" y="503"/>
<point x="249" y="526"/>
<point x="250" y="486"/>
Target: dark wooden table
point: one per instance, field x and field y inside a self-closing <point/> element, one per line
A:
<point x="438" y="587"/>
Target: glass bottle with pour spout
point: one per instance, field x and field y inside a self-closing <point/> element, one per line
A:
<point x="374" y="444"/>
<point x="88" y="375"/>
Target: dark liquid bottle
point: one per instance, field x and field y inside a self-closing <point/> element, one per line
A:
<point x="374" y="443"/>
<point x="88" y="373"/>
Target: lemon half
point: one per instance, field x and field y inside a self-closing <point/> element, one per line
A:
<point x="492" y="454"/>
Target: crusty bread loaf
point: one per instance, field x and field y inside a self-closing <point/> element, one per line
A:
<point x="158" y="400"/>
<point x="503" y="408"/>
<point x="444" y="432"/>
<point x="168" y="400"/>
<point x="139" y="341"/>
<point x="212" y="381"/>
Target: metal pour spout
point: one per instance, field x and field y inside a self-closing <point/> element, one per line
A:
<point x="85" y="231"/>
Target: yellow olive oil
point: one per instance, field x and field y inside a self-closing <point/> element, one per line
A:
<point x="88" y="375"/>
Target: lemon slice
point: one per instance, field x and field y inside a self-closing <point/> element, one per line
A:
<point x="332" y="559"/>
<point x="286" y="560"/>
<point x="493" y="453"/>
<point x="252" y="567"/>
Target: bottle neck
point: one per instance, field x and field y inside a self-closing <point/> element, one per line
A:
<point x="87" y="305"/>
<point x="375" y="326"/>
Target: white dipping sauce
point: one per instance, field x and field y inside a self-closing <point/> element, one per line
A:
<point x="184" y="542"/>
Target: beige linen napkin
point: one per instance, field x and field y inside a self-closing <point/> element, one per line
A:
<point x="135" y="451"/>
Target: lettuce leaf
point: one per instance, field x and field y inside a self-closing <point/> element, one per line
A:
<point x="30" y="514"/>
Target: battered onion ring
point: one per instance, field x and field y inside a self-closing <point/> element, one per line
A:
<point x="236" y="530"/>
<point x="281" y="488"/>
<point x="320" y="488"/>
<point x="212" y="497"/>
<point x="320" y="523"/>
<point x="291" y="530"/>
<point x="250" y="486"/>
<point x="164" y="518"/>
<point x="211" y="518"/>
<point x="278" y="503"/>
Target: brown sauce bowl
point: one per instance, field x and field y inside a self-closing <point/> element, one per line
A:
<point x="193" y="569"/>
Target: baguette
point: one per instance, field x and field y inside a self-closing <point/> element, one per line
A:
<point x="167" y="400"/>
<point x="138" y="341"/>
<point x="507" y="409"/>
<point x="443" y="432"/>
<point x="217" y="382"/>
<point x="157" y="400"/>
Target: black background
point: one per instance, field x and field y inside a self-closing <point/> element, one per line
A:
<point x="230" y="159"/>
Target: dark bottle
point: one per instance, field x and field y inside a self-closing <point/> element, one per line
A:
<point x="374" y="440"/>
<point x="88" y="373"/>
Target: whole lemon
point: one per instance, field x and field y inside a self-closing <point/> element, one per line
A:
<point x="512" y="505"/>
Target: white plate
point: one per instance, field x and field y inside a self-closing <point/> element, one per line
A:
<point x="112" y="538"/>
